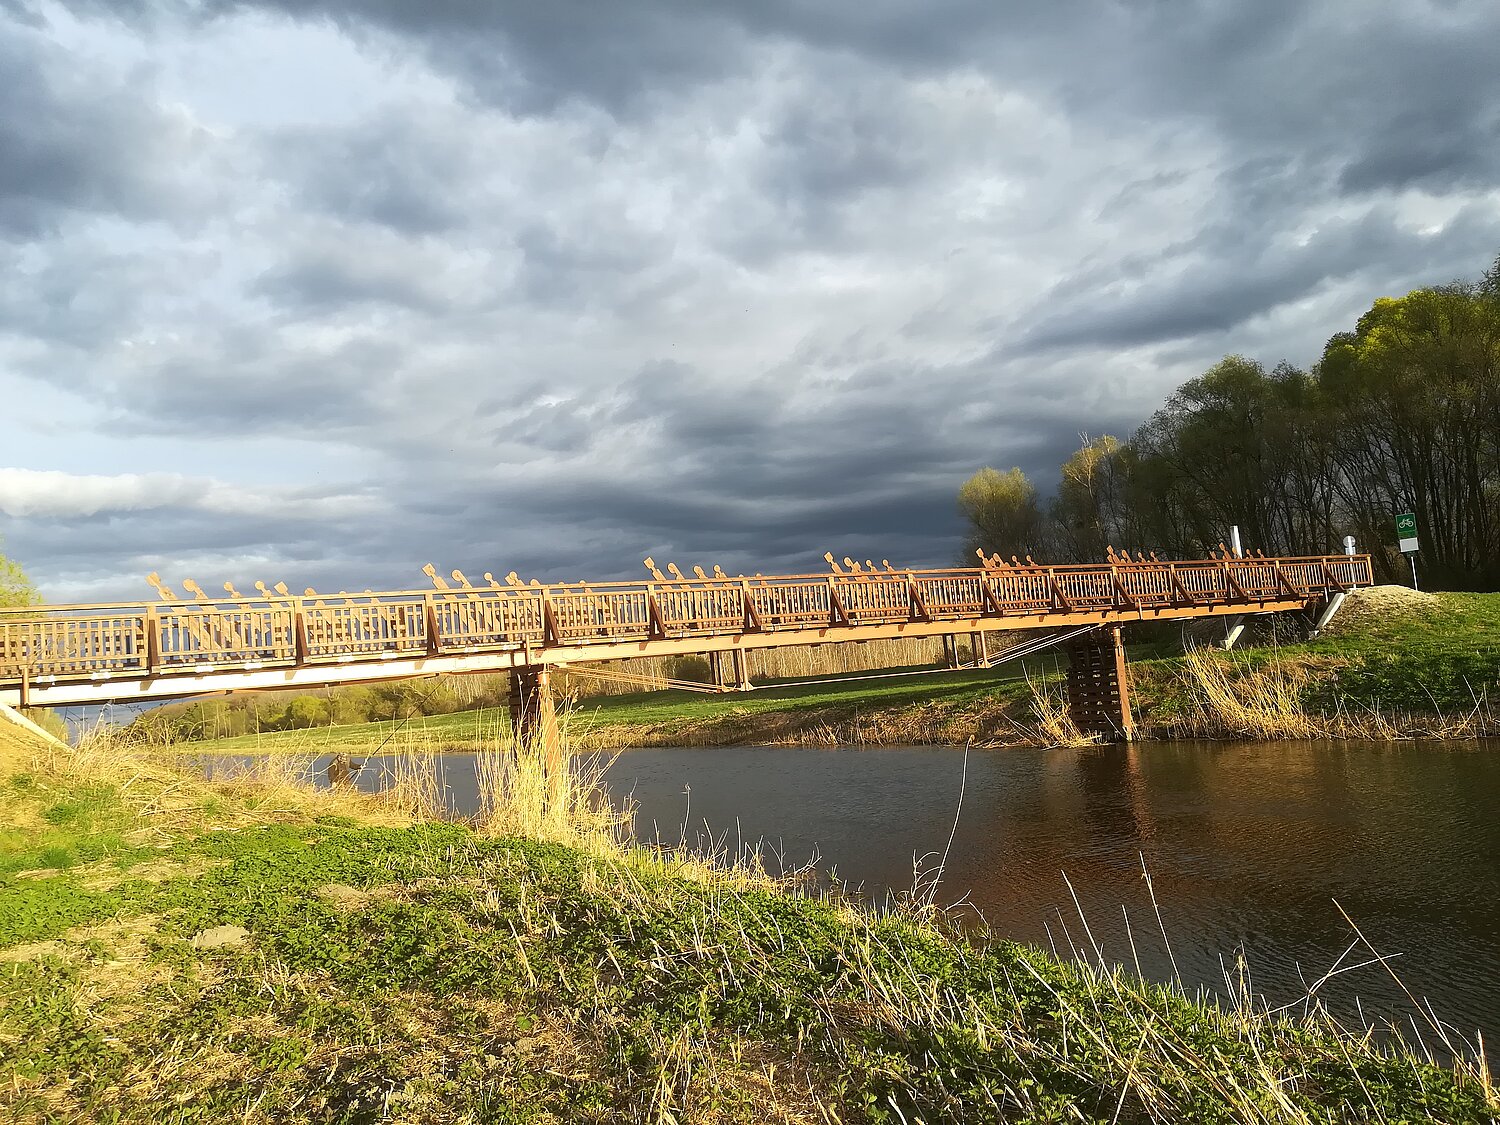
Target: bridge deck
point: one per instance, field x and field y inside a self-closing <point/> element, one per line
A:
<point x="57" y="655"/>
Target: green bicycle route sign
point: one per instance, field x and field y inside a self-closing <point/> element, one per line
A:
<point x="1406" y="532"/>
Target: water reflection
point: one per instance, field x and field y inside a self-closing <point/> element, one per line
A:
<point x="1249" y="846"/>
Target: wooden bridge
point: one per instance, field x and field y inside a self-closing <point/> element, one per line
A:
<point x="176" y="647"/>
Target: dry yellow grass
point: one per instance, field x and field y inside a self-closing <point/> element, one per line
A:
<point x="1251" y="703"/>
<point x="1231" y="698"/>
<point x="1054" y="722"/>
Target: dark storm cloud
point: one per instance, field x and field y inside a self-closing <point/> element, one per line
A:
<point x="758" y="486"/>
<point x="1196" y="294"/>
<point x="70" y="142"/>
<point x="244" y="383"/>
<point x="1426" y="148"/>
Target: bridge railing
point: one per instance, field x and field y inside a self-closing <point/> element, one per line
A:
<point x="101" y="641"/>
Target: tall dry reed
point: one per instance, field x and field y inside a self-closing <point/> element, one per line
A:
<point x="542" y="787"/>
<point x="1229" y="698"/>
<point x="1053" y="719"/>
<point x="1233" y="698"/>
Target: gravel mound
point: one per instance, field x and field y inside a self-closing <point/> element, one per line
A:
<point x="1374" y="603"/>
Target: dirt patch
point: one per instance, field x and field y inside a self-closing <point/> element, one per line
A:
<point x="107" y="875"/>
<point x="113" y="960"/>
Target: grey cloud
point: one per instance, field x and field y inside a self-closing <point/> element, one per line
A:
<point x="71" y="142"/>
<point x="1428" y="150"/>
<point x="401" y="171"/>
<point x="1215" y="291"/>
<point x="313" y="283"/>
<point x="239" y="382"/>
<point x="562" y="264"/>
<point x="535" y="57"/>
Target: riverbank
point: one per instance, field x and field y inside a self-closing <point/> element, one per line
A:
<point x="175" y="950"/>
<point x="1393" y="664"/>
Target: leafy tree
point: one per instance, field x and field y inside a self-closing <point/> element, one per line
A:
<point x="304" y="711"/>
<point x="1400" y="414"/>
<point x="1003" y="513"/>
<point x="1416" y="394"/>
<point x="1089" y="511"/>
<point x="15" y="587"/>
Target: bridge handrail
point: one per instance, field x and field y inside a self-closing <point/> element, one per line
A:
<point x="553" y="589"/>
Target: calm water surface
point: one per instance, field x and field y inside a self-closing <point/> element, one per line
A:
<point x="1249" y="847"/>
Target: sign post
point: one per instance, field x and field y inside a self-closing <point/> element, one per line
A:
<point x="1406" y="534"/>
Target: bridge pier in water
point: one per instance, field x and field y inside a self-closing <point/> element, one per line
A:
<point x="533" y="711"/>
<point x="1099" y="685"/>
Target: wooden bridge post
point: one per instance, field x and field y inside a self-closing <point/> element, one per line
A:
<point x="533" y="712"/>
<point x="1099" y="685"/>
<point x="741" y="669"/>
<point x="152" y="629"/>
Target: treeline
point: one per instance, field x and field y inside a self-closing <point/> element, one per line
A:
<point x="252" y="713"/>
<point x="1401" y="414"/>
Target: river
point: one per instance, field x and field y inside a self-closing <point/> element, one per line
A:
<point x="1248" y="845"/>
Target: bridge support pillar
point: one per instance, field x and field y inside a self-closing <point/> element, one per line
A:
<point x="736" y="678"/>
<point x="950" y="650"/>
<point x="533" y="712"/>
<point x="741" y="664"/>
<point x="982" y="649"/>
<point x="1099" y="686"/>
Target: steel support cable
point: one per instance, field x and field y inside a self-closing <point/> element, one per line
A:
<point x="632" y="678"/>
<point x="1015" y="653"/>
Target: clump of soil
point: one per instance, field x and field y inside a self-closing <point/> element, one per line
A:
<point x="1376" y="603"/>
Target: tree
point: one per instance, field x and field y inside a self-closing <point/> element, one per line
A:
<point x="1415" y="391"/>
<point x="1090" y="500"/>
<point x="15" y="587"/>
<point x="1003" y="514"/>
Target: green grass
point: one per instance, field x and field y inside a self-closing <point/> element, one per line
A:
<point x="428" y="973"/>
<point x="459" y="979"/>
<point x="43" y="824"/>
<point x="1442" y="660"/>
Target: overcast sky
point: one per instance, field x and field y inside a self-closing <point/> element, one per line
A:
<point x="320" y="292"/>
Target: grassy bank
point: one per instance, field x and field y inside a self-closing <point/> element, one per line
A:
<point x="1394" y="664"/>
<point x="172" y="950"/>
